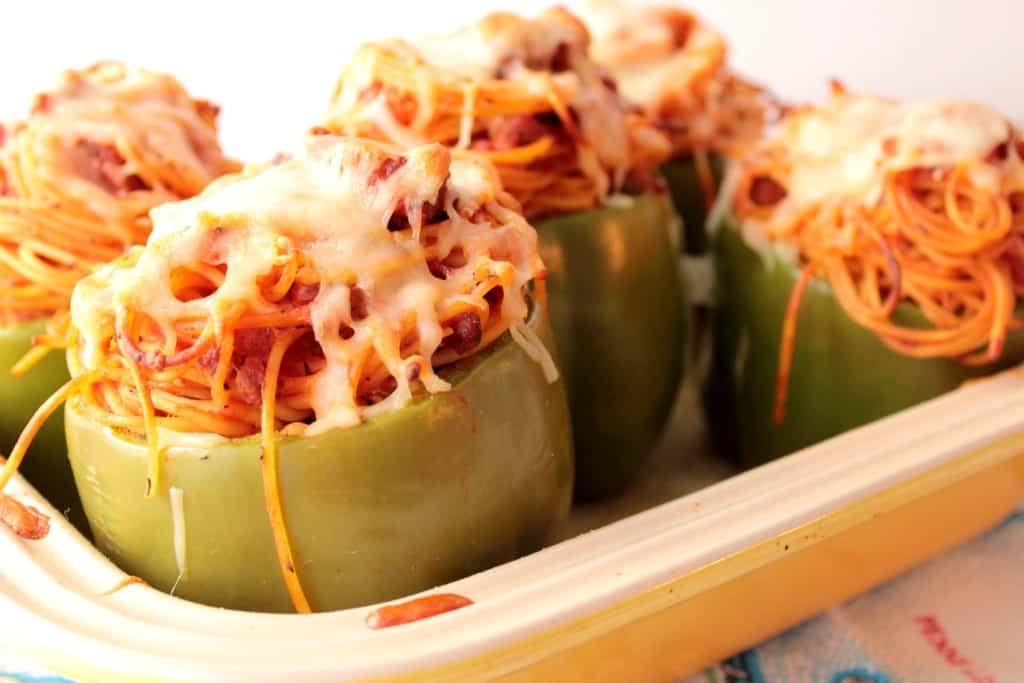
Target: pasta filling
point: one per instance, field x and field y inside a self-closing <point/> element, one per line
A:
<point x="523" y="92"/>
<point x="675" y="66"/>
<point x="896" y="203"/>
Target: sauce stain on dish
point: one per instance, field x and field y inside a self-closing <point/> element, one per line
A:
<point x="23" y="520"/>
<point x="415" y="610"/>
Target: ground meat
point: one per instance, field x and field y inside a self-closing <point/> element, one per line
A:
<point x="302" y="356"/>
<point x="301" y="294"/>
<point x="254" y="342"/>
<point x="766" y="191"/>
<point x="357" y="303"/>
<point x="209" y="359"/>
<point x="386" y="168"/>
<point x="1017" y="203"/>
<point x="560" y="59"/>
<point x="104" y="165"/>
<point x="466" y="333"/>
<point x="438" y="269"/>
<point x="431" y="212"/>
<point x="398" y="221"/>
<point x="249" y="380"/>
<point x="507" y="132"/>
<point x="378" y="394"/>
<point x="214" y="247"/>
<point x="494" y="297"/>
<point x="608" y="80"/>
<point x="999" y="153"/>
<point x="644" y="181"/>
<point x="682" y="26"/>
<point x="402" y="106"/>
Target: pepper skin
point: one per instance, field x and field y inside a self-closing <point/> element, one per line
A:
<point x="842" y="376"/>
<point x="619" y="315"/>
<point x="449" y="485"/>
<point x="46" y="465"/>
<point x="689" y="200"/>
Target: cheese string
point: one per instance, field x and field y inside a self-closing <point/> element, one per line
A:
<point x="35" y="423"/>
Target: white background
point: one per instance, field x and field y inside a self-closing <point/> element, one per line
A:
<point x="272" y="65"/>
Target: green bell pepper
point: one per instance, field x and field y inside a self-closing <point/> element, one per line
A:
<point x="688" y="198"/>
<point x="451" y="484"/>
<point x="46" y="465"/>
<point x="841" y="377"/>
<point x="619" y="316"/>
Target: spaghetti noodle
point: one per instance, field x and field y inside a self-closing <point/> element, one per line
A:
<point x="304" y="296"/>
<point x="893" y="204"/>
<point x="79" y="175"/>
<point x="523" y="92"/>
<point x="674" y="65"/>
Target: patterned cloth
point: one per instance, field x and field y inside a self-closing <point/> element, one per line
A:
<point x="957" y="619"/>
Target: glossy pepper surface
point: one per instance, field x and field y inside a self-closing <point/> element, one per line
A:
<point x="619" y="315"/>
<point x="451" y="484"/>
<point x="689" y="198"/>
<point x="841" y="377"/>
<point x="46" y="464"/>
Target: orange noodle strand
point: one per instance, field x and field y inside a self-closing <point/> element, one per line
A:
<point x="788" y="341"/>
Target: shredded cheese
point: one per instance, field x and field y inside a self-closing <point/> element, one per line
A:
<point x="177" y="501"/>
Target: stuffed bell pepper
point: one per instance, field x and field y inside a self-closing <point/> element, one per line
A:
<point x="77" y="178"/>
<point x="322" y="383"/>
<point x="869" y="255"/>
<point x="674" y="65"/>
<point x="525" y="94"/>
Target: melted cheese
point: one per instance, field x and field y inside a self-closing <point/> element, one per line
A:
<point x="330" y="203"/>
<point x="502" y="49"/>
<point x="163" y="135"/>
<point x="502" y="39"/>
<point x="848" y="146"/>
<point x="642" y="45"/>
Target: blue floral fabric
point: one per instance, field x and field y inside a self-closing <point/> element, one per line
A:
<point x="956" y="619"/>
